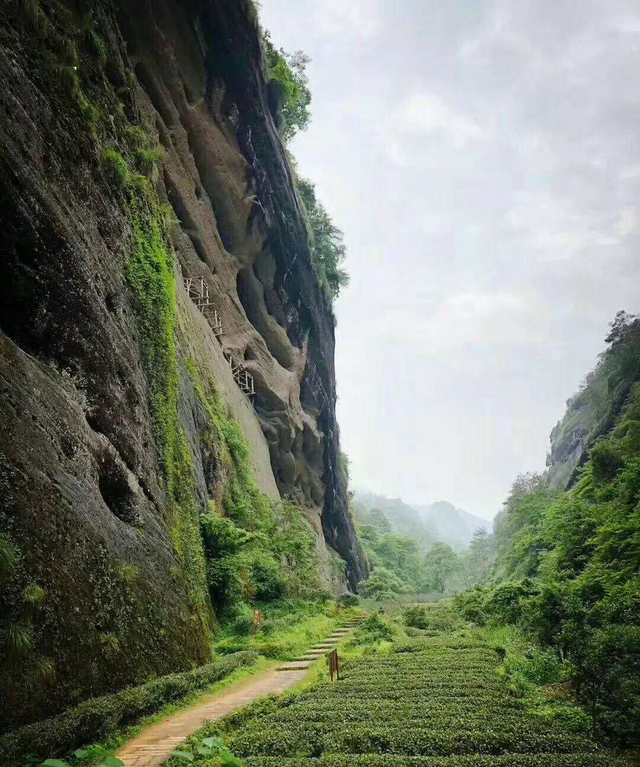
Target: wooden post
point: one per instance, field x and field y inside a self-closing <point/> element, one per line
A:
<point x="334" y="666"/>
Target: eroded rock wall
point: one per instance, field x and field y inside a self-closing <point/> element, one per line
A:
<point x="82" y="494"/>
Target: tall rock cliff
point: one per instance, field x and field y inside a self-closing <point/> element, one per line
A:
<point x="139" y="150"/>
<point x="595" y="409"/>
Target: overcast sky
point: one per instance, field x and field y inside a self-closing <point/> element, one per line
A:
<point x="483" y="160"/>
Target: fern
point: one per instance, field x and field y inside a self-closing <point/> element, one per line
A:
<point x="19" y="639"/>
<point x="8" y="556"/>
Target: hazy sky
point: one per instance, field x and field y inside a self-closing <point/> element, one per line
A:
<point x="483" y="160"/>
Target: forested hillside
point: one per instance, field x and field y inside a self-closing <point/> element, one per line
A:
<point x="411" y="557"/>
<point x="568" y="561"/>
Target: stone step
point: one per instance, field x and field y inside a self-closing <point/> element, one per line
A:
<point x="296" y="665"/>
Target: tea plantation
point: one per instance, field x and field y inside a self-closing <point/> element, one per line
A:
<point x="434" y="701"/>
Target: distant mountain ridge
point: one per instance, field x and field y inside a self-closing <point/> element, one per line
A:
<point x="454" y="526"/>
<point x="440" y="521"/>
<point x="403" y="519"/>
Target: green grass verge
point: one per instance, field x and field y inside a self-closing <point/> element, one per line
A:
<point x="288" y="630"/>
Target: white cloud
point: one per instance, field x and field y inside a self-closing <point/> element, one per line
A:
<point x="626" y="25"/>
<point x="424" y="113"/>
<point x="461" y="321"/>
<point x="353" y="17"/>
<point x="550" y="225"/>
<point x="627" y="222"/>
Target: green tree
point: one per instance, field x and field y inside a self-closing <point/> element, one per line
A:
<point x="379" y="520"/>
<point x="328" y="250"/>
<point x="382" y="584"/>
<point x="440" y="563"/>
<point x="288" y="70"/>
<point x="477" y="563"/>
<point x="568" y="562"/>
<point x="518" y="535"/>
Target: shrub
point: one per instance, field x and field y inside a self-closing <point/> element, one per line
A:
<point x="34" y="594"/>
<point x="416" y="617"/>
<point x="138" y="137"/>
<point x="69" y="80"/>
<point x="471" y="605"/>
<point x="436" y="617"/>
<point x="242" y="622"/>
<point x="287" y="72"/>
<point x="374" y="629"/>
<point x="9" y="555"/>
<point x="147" y="159"/>
<point x="115" y="167"/>
<point x="390" y="760"/>
<point x="328" y="250"/>
<point x="348" y="600"/>
<point x="505" y="601"/>
<point x="268" y="581"/>
<point x="382" y="584"/>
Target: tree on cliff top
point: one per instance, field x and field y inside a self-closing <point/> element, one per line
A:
<point x="327" y="246"/>
<point x="289" y="71"/>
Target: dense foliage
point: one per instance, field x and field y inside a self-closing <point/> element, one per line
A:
<point x="399" y="565"/>
<point x="289" y="81"/>
<point x="256" y="549"/>
<point x="287" y="70"/>
<point x="568" y="563"/>
<point x="593" y="410"/>
<point x="327" y="245"/>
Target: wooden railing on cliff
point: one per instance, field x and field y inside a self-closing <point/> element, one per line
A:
<point x="198" y="291"/>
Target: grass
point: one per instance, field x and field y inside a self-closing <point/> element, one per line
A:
<point x="150" y="274"/>
<point x="316" y="675"/>
<point x="9" y="556"/>
<point x="115" y="167"/>
<point x="288" y="630"/>
<point x="147" y="159"/>
<point x="34" y="594"/>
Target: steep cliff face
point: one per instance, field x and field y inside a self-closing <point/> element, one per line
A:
<point x="107" y="458"/>
<point x="595" y="409"/>
<point x="570" y="440"/>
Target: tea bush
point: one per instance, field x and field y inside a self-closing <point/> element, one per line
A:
<point x="435" y="701"/>
<point x="98" y="718"/>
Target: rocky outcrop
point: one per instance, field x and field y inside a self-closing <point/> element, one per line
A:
<point x="83" y="500"/>
<point x="597" y="407"/>
<point x="570" y="440"/>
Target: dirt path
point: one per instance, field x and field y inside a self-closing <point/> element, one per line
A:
<point x="152" y="746"/>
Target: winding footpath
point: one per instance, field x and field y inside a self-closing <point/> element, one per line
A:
<point x="153" y="746"/>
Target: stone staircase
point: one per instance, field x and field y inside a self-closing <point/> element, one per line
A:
<point x="322" y="648"/>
